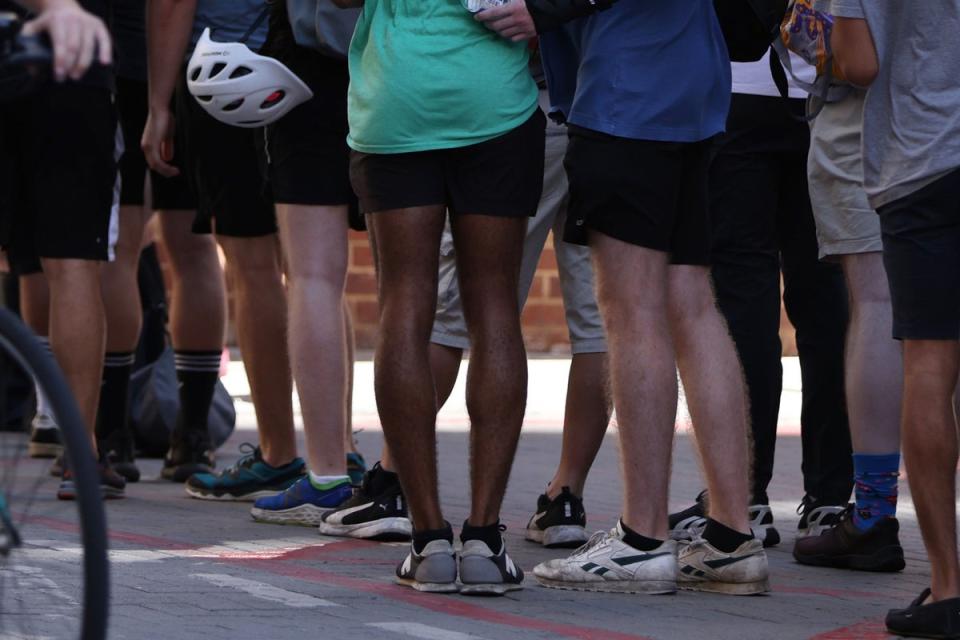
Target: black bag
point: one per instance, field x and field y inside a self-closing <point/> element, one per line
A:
<point x="155" y="401"/>
<point x="749" y="26"/>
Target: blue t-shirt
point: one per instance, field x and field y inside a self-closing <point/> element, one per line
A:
<point x="644" y="69"/>
<point x="228" y="21"/>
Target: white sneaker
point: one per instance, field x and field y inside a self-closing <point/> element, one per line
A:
<point x="44" y="437"/>
<point x="703" y="567"/>
<point x="607" y="563"/>
<point x="761" y="524"/>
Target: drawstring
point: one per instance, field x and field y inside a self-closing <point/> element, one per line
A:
<point x="256" y="23"/>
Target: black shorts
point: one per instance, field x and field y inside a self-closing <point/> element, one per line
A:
<point x="220" y="173"/>
<point x="647" y="193"/>
<point x="921" y="252"/>
<point x="499" y="177"/>
<point x="58" y="175"/>
<point x="132" y="109"/>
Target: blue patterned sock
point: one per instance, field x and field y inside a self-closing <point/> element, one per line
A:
<point x="876" y="488"/>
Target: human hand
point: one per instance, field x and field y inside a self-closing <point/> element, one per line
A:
<point x="512" y="21"/>
<point x="76" y="36"/>
<point x="157" y="142"/>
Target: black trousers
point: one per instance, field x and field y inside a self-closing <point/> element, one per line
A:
<point x="763" y="226"/>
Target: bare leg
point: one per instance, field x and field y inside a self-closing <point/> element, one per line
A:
<point x="642" y="372"/>
<point x="198" y="305"/>
<point x="348" y="443"/>
<point x="407" y="246"/>
<point x="713" y="380"/>
<point x="445" y="365"/>
<point x="118" y="280"/>
<point x="930" y="451"/>
<point x="874" y="365"/>
<point x="35" y="303"/>
<point x="489" y="250"/>
<point x="261" y="315"/>
<point x="78" y="330"/>
<point x="585" y="421"/>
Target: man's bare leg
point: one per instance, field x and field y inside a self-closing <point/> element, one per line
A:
<point x="118" y="279"/>
<point x="713" y="381"/>
<point x="929" y="430"/>
<point x="314" y="241"/>
<point x="585" y="421"/>
<point x="260" y="304"/>
<point x="78" y="330"/>
<point x="407" y="248"/>
<point x="642" y="373"/>
<point x="349" y="444"/>
<point x="489" y="250"/>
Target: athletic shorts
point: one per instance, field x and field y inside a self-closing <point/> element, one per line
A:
<point x="499" y="177"/>
<point x="132" y="109"/>
<point x="220" y="175"/>
<point x="584" y="323"/>
<point x="59" y="187"/>
<point x="646" y="193"/>
<point x="846" y="223"/>
<point x="921" y="252"/>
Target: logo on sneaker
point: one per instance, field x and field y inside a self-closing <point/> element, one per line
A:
<point x="407" y="563"/>
<point x="566" y="510"/>
<point x="511" y="568"/>
<point x="723" y="562"/>
<point x="639" y="558"/>
<point x="594" y="568"/>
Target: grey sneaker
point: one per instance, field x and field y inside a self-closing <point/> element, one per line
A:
<point x="703" y="567"/>
<point x="434" y="570"/>
<point x="607" y="564"/>
<point x="482" y="572"/>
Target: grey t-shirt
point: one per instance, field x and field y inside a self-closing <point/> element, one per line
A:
<point x="322" y="26"/>
<point x="229" y="20"/>
<point x="911" y="119"/>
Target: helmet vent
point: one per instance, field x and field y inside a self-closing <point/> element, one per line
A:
<point x="233" y="106"/>
<point x="239" y="72"/>
<point x="195" y="73"/>
<point x="273" y="99"/>
<point x="204" y="98"/>
<point x="217" y="68"/>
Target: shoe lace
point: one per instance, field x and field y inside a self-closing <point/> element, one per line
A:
<point x="592" y="541"/>
<point x="250" y="453"/>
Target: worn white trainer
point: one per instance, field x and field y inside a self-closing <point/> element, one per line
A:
<point x="703" y="567"/>
<point x="607" y="563"/>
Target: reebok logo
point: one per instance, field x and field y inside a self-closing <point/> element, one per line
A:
<point x="643" y="557"/>
<point x="724" y="562"/>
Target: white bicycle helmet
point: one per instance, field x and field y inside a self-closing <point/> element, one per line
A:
<point x="239" y="87"/>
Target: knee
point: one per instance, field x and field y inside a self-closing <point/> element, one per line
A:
<point x="691" y="297"/>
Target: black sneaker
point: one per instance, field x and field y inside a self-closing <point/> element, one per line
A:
<point x="112" y="484"/>
<point x="844" y="546"/>
<point x="119" y="449"/>
<point x="377" y="511"/>
<point x="485" y="573"/>
<point x="189" y="454"/>
<point x="44" y="438"/>
<point x="932" y="620"/>
<point x="433" y="570"/>
<point x="817" y="517"/>
<point x="688" y="525"/>
<point x="559" y="523"/>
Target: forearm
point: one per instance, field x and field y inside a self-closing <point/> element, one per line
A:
<point x="169" y="23"/>
<point x="854" y="50"/>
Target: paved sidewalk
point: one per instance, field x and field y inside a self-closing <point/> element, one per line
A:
<point x="190" y="569"/>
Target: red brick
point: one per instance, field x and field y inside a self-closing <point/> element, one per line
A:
<point x="358" y="283"/>
<point x="360" y="255"/>
<point x="544" y="314"/>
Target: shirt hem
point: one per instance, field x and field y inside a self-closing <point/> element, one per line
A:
<point x="658" y="134"/>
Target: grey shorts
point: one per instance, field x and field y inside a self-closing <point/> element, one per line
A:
<point x="846" y="224"/>
<point x="573" y="262"/>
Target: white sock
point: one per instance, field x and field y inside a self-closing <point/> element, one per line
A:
<point x="326" y="482"/>
<point x="43" y="405"/>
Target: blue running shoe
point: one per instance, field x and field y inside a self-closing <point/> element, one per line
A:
<point x="302" y="504"/>
<point x="356" y="467"/>
<point x="248" y="479"/>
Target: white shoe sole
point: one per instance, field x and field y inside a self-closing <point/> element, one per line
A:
<point x="729" y="588"/>
<point x="566" y="535"/>
<point x="649" y="587"/>
<point x="393" y="527"/>
<point x="250" y="497"/>
<point x="430" y="587"/>
<point x="303" y="516"/>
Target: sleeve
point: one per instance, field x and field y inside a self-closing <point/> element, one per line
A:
<point x="847" y="9"/>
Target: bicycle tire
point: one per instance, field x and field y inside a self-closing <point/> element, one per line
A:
<point x="23" y="347"/>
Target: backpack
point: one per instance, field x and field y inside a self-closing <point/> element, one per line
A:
<point x="749" y="26"/>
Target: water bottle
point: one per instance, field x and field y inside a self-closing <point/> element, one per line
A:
<point x="473" y="6"/>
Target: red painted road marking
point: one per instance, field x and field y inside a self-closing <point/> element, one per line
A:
<point x="869" y="630"/>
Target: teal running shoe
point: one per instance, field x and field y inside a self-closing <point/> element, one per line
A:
<point x="249" y="478"/>
<point x="356" y="467"/>
<point x="301" y="504"/>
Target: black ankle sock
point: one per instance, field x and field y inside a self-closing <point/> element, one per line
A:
<point x="424" y="537"/>
<point x="197" y="373"/>
<point x="637" y="541"/>
<point x="112" y="414"/>
<point x="724" y="538"/>
<point x="490" y="534"/>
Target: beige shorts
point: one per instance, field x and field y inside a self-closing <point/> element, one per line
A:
<point x="584" y="322"/>
<point x="845" y="222"/>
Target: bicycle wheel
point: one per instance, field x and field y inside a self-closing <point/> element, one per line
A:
<point x="46" y="591"/>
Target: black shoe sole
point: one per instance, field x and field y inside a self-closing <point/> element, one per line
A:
<point x="920" y="634"/>
<point x="886" y="560"/>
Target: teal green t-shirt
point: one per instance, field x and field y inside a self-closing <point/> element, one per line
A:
<point x="425" y="75"/>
